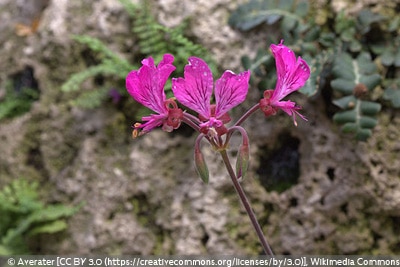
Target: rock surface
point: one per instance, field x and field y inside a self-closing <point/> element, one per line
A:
<point x="143" y="196"/>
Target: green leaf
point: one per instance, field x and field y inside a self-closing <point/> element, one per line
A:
<point x="349" y="127"/>
<point x="359" y="119"/>
<point x="345" y="116"/>
<point x="363" y="134"/>
<point x="255" y="12"/>
<point x="7" y="107"/>
<point x="130" y="7"/>
<point x="367" y="122"/>
<point x="246" y="62"/>
<point x="75" y="80"/>
<point x="349" y="72"/>
<point x="20" y="196"/>
<point x="49" y="228"/>
<point x="91" y="99"/>
<point x="345" y="102"/>
<point x="5" y="251"/>
<point x="387" y="57"/>
<point x="369" y="108"/>
<point x="343" y="67"/>
<point x="371" y="81"/>
<point x="342" y="85"/>
<point x="393" y="95"/>
<point x="302" y="9"/>
<point x="365" y="18"/>
<point x="365" y="64"/>
<point x="16" y="102"/>
<point x="288" y="23"/>
<point x="23" y="214"/>
<point x="317" y="65"/>
<point x="327" y="39"/>
<point x="53" y="212"/>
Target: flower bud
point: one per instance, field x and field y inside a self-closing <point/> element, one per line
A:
<point x="201" y="165"/>
<point x="360" y="90"/>
<point x="242" y="161"/>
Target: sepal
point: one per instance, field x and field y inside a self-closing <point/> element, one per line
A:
<point x="200" y="163"/>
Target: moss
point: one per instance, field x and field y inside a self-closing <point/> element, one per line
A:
<point x="144" y="211"/>
<point x="164" y="244"/>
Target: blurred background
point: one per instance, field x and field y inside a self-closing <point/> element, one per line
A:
<point x="73" y="181"/>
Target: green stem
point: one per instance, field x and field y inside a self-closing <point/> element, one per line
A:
<point x="246" y="204"/>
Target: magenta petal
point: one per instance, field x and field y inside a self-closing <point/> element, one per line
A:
<point x="230" y="90"/>
<point x="195" y="89"/>
<point x="290" y="108"/>
<point x="286" y="106"/>
<point x="168" y="59"/>
<point x="292" y="74"/>
<point x="152" y="121"/>
<point x="146" y="85"/>
<point x="149" y="62"/>
<point x="165" y="68"/>
<point x="285" y="59"/>
<point x="132" y="82"/>
<point x="300" y="74"/>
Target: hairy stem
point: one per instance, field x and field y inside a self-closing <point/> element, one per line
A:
<point x="246" y="204"/>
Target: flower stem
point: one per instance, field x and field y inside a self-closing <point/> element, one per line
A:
<point x="246" y="204"/>
<point x="247" y="114"/>
<point x="191" y="121"/>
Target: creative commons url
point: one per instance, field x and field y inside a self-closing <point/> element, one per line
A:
<point x="228" y="261"/>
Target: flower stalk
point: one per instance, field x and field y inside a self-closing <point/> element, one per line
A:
<point x="246" y="204"/>
<point x="195" y="91"/>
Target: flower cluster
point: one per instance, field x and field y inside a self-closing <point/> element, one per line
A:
<point x="195" y="91"/>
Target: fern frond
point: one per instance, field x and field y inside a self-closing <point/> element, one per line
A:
<point x="151" y="38"/>
<point x="74" y="82"/>
<point x="24" y="214"/>
<point x="92" y="98"/>
<point x="98" y="46"/>
<point x="130" y="7"/>
<point x="94" y="44"/>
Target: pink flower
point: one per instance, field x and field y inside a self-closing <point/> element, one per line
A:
<point x="146" y="86"/>
<point x="195" y="90"/>
<point x="292" y="75"/>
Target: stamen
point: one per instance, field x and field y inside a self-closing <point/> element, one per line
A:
<point x="135" y="132"/>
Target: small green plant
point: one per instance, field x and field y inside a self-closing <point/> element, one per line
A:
<point x="347" y="59"/>
<point x="354" y="78"/>
<point x="110" y="64"/>
<point x="24" y="215"/>
<point x="152" y="38"/>
<point x="19" y="93"/>
<point x="256" y="12"/>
